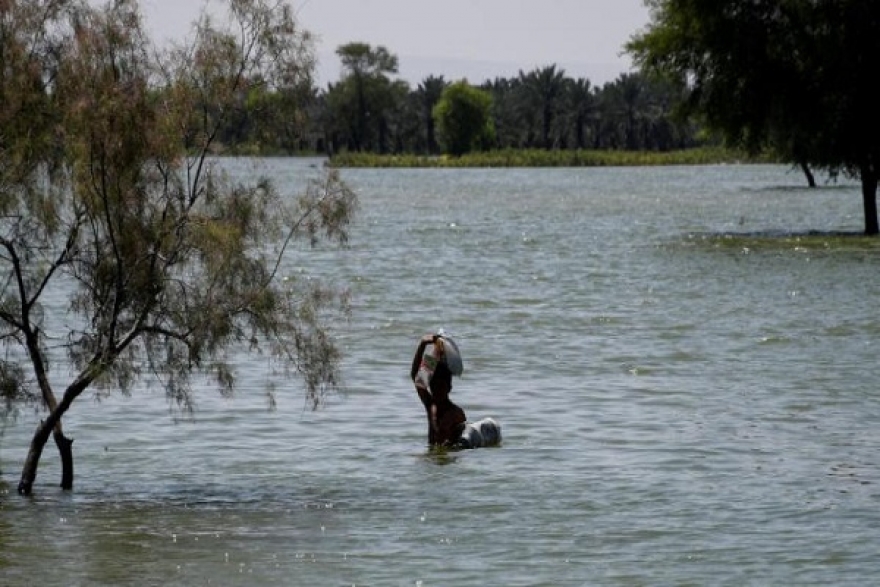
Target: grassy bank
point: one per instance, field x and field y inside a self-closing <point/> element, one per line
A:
<point x="541" y="158"/>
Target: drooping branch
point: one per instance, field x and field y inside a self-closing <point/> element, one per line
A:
<point x="168" y="258"/>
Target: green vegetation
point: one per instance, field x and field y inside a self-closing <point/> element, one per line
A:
<point x="363" y="101"/>
<point x="369" y="110"/>
<point x="542" y="158"/>
<point x="463" y="119"/>
<point x="792" y="76"/>
<point x="110" y="201"/>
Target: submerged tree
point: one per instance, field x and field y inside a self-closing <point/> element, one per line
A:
<point x="110" y="200"/>
<point x="791" y="75"/>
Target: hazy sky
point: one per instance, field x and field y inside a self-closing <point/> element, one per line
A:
<point x="473" y="39"/>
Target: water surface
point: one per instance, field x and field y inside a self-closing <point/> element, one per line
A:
<point x="682" y="360"/>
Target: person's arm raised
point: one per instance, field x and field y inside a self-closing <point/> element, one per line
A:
<point x="417" y="359"/>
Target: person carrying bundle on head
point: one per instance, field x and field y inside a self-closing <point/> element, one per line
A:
<point x="435" y="361"/>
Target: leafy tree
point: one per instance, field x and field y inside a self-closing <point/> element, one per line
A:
<point x="273" y="119"/>
<point x="365" y="90"/>
<point x="27" y="66"/>
<point x="111" y="201"/>
<point x="463" y="118"/>
<point x="787" y="74"/>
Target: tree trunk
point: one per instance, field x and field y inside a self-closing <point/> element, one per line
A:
<point x="50" y="425"/>
<point x="65" y="449"/>
<point x="869" y="199"/>
<point x="29" y="471"/>
<point x="811" y="180"/>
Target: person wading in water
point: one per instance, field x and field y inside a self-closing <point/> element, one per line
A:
<point x="432" y="377"/>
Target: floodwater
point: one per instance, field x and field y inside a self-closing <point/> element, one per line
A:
<point x="681" y="358"/>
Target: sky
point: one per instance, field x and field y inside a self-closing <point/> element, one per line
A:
<point x="458" y="39"/>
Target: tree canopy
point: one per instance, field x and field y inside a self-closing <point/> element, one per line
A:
<point x="463" y="117"/>
<point x="110" y="200"/>
<point x="366" y="94"/>
<point x="789" y="75"/>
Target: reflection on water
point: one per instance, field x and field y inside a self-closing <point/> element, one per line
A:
<point x="681" y="358"/>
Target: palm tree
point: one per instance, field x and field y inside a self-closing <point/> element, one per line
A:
<point x="544" y="89"/>
<point x="581" y="108"/>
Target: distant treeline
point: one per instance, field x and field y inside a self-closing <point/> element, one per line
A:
<point x="369" y="110"/>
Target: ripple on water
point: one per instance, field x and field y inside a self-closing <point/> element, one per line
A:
<point x="685" y="392"/>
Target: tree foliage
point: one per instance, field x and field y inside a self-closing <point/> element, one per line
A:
<point x="463" y="117"/>
<point x="544" y="92"/>
<point x="542" y="108"/>
<point x="111" y="200"/>
<point x="787" y="74"/>
<point x="427" y="95"/>
<point x="366" y="95"/>
<point x="398" y="119"/>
